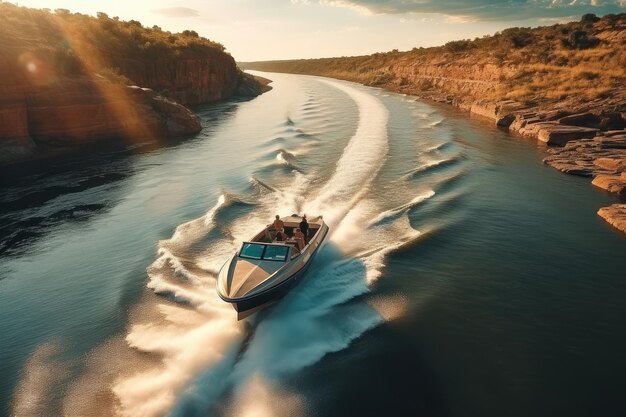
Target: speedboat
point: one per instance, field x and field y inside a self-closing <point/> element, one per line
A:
<point x="263" y="270"/>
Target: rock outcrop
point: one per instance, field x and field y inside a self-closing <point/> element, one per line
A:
<point x="251" y="85"/>
<point x="612" y="183"/>
<point x="615" y="215"/>
<point x="597" y="157"/>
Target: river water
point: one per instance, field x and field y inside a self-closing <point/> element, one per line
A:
<point x="461" y="277"/>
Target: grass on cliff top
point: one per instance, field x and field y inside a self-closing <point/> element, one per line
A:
<point x="76" y="44"/>
<point x="545" y="64"/>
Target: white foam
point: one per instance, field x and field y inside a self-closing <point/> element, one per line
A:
<point x="361" y="159"/>
<point x="191" y="231"/>
<point x="396" y="211"/>
<point x="41" y="374"/>
<point x="436" y="123"/>
<point x="187" y="340"/>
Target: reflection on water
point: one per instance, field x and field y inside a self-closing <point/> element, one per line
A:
<point x="460" y="277"/>
<point x="38" y="196"/>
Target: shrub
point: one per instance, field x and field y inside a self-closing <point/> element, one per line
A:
<point x="589" y="18"/>
<point x="381" y="79"/>
<point x="519" y="37"/>
<point x="191" y="33"/>
<point x="580" y="40"/>
<point x="458" y="46"/>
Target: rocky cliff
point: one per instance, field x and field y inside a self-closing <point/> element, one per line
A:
<point x="190" y="81"/>
<point x="69" y="79"/>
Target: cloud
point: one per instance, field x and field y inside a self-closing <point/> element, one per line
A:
<point x="492" y="10"/>
<point x="177" y="12"/>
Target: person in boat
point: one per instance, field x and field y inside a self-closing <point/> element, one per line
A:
<point x="278" y="225"/>
<point x="304" y="227"/>
<point x="298" y="236"/>
<point x="280" y="236"/>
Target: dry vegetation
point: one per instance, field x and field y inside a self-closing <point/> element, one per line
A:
<point x="73" y="44"/>
<point x="585" y="59"/>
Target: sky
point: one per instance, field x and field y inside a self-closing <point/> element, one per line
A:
<point x="254" y="30"/>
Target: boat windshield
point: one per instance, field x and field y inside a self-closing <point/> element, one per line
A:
<point x="275" y="253"/>
<point x="252" y="250"/>
<point x="265" y="252"/>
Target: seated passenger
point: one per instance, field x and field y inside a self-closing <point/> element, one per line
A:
<point x="280" y="236"/>
<point x="298" y="236"/>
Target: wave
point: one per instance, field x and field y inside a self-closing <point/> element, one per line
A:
<point x="393" y="213"/>
<point x="300" y="134"/>
<point x="283" y="166"/>
<point x="438" y="147"/>
<point x="372" y="237"/>
<point x="283" y="155"/>
<point x="257" y="182"/>
<point x="283" y="160"/>
<point x="429" y="166"/>
<point x="436" y="123"/>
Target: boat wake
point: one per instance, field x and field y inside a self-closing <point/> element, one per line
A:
<point x="195" y="358"/>
<point x="303" y="327"/>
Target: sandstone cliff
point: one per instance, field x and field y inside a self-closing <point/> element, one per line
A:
<point x="69" y="79"/>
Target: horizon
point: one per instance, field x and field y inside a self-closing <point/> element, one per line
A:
<point x="308" y="29"/>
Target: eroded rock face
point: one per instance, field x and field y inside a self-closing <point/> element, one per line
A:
<point x="210" y="78"/>
<point x="600" y="156"/>
<point x="75" y="112"/>
<point x="13" y="126"/>
<point x="502" y="112"/>
<point x="555" y="134"/>
<point x="612" y="183"/>
<point x="615" y="215"/>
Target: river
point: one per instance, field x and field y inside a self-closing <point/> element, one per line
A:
<point x="461" y="277"/>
